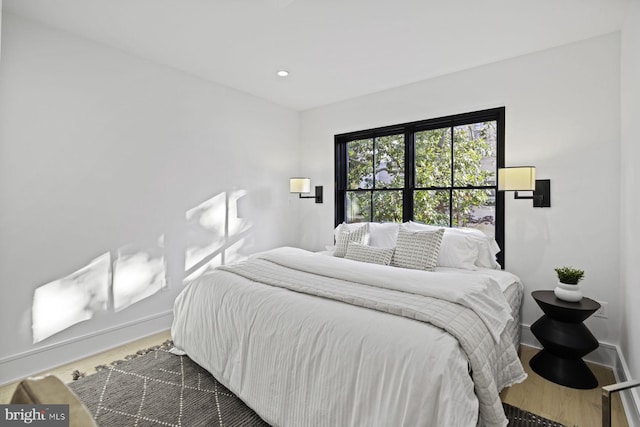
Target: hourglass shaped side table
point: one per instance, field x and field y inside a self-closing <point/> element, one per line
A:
<point x="565" y="340"/>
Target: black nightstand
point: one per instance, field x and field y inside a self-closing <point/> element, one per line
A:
<point x="565" y="340"/>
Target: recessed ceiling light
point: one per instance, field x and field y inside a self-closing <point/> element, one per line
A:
<point x="283" y="73"/>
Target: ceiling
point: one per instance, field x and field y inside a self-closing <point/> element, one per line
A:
<point x="334" y="49"/>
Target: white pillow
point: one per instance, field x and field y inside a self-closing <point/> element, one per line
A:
<point x="359" y="234"/>
<point x="485" y="252"/>
<point x="383" y="234"/>
<point x="365" y="253"/>
<point x="458" y="251"/>
<point x="417" y="249"/>
<point x="487" y="247"/>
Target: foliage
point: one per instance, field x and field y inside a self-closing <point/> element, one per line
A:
<point x="378" y="163"/>
<point x="569" y="275"/>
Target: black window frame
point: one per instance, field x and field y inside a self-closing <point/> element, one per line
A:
<point x="409" y="129"/>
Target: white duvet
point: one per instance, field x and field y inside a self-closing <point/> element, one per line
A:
<point x="304" y="360"/>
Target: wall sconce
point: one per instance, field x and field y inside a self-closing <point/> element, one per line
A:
<point x="303" y="185"/>
<point x="523" y="178"/>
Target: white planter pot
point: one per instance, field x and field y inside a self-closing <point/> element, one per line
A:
<point x="569" y="293"/>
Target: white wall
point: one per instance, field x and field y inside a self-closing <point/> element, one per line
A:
<point x="103" y="156"/>
<point x="630" y="232"/>
<point x="562" y="115"/>
<point x="0" y="30"/>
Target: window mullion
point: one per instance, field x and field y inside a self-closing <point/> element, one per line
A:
<point x="452" y="181"/>
<point x="373" y="165"/>
<point x="373" y="179"/>
<point x="371" y="211"/>
<point x="341" y="180"/>
<point x="409" y="174"/>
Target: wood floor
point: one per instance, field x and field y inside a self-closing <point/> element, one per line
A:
<point x="88" y="365"/>
<point x="571" y="407"/>
<point x="579" y="408"/>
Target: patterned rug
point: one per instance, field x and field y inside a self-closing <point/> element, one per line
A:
<point x="157" y="388"/>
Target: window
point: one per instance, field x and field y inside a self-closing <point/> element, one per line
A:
<point x="440" y="171"/>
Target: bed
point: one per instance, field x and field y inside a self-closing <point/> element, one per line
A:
<point x="307" y="339"/>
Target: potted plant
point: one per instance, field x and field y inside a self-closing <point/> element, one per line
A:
<point x="568" y="279"/>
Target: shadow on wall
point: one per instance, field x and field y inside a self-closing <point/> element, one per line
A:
<point x="120" y="278"/>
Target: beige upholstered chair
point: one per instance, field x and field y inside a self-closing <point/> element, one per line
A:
<point x="50" y="390"/>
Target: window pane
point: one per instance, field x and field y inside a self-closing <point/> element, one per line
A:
<point x="474" y="152"/>
<point x="358" y="206"/>
<point x="390" y="161"/>
<point x="387" y="206"/>
<point x="433" y="158"/>
<point x="360" y="164"/>
<point x="431" y="207"/>
<point x="475" y="209"/>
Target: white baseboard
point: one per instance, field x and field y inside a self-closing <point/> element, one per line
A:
<point x="608" y="355"/>
<point x="31" y="362"/>
<point x="630" y="398"/>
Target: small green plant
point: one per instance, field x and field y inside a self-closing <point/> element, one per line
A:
<point x="569" y="275"/>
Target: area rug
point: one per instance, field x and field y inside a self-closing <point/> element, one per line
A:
<point x="157" y="388"/>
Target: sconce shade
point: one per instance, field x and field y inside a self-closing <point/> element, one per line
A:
<point x="299" y="185"/>
<point x="303" y="185"/>
<point x="521" y="178"/>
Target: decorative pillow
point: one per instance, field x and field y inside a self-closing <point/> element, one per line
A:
<point x="486" y="247"/>
<point x="365" y="253"/>
<point x="417" y="249"/>
<point x="345" y="226"/>
<point x="358" y="234"/>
